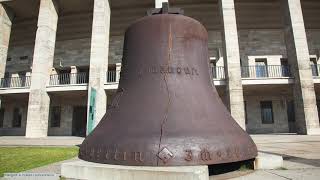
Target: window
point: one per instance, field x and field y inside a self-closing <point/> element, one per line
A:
<point x="285" y="71"/>
<point x="261" y="67"/>
<point x="9" y="59"/>
<point x="266" y="112"/>
<point x="17" y="117"/>
<point x="1" y="117"/>
<point x="55" y="116"/>
<point x="314" y="67"/>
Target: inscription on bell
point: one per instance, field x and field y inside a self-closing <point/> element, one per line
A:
<point x="165" y="155"/>
<point x="189" y="155"/>
<point x="205" y="155"/>
<point x="174" y="70"/>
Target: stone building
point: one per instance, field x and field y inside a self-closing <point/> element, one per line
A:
<point x="60" y="61"/>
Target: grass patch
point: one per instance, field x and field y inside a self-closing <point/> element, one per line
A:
<point x="282" y="168"/>
<point x="18" y="159"/>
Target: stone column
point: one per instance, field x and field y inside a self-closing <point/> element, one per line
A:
<point x="306" y="113"/>
<point x="158" y="3"/>
<point x="232" y="61"/>
<point x="98" y="62"/>
<point x="6" y="17"/>
<point x="39" y="100"/>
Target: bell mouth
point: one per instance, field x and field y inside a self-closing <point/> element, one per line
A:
<point x="231" y="170"/>
<point x="171" y="152"/>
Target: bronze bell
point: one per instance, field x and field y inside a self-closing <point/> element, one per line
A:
<point x="166" y="111"/>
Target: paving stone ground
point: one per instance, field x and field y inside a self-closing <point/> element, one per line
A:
<point x="301" y="155"/>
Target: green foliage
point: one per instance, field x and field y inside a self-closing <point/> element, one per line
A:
<point x="244" y="167"/>
<point x="282" y="168"/>
<point x="18" y="159"/>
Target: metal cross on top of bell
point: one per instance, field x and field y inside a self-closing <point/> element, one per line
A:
<point x="165" y="10"/>
<point x="166" y="111"/>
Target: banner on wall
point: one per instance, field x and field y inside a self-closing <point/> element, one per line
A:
<point x="92" y="110"/>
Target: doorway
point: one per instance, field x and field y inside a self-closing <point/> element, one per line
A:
<point x="79" y="121"/>
<point x="291" y="117"/>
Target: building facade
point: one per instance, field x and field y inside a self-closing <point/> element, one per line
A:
<point x="60" y="61"/>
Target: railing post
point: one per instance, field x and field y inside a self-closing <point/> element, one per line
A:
<point x="53" y="80"/>
<point x="28" y="78"/>
<point x="14" y="80"/>
<point x="73" y="75"/>
<point x="118" y="71"/>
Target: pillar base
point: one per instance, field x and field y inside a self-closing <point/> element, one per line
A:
<point x="313" y="131"/>
<point x="87" y="170"/>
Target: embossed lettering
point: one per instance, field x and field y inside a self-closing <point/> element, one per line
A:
<point x="178" y="70"/>
<point x="219" y="154"/>
<point x="194" y="71"/>
<point x="162" y="70"/>
<point x="92" y="153"/>
<point x="170" y="69"/>
<point x="187" y="70"/>
<point x="189" y="155"/>
<point x="138" y="156"/>
<point x="99" y="153"/>
<point x="205" y="155"/>
<point x="153" y="70"/>
<point x="116" y="153"/>
<point x="107" y="155"/>
<point x="124" y="156"/>
<point x="228" y="153"/>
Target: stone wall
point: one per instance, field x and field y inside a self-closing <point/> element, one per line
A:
<point x="67" y="105"/>
<point x="65" y="128"/>
<point x="255" y="124"/>
<point x="72" y="53"/>
<point x="253" y="44"/>
<point x="9" y="107"/>
<point x="313" y="37"/>
<point x="16" y="64"/>
<point x="67" y="53"/>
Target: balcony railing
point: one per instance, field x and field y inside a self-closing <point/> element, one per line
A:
<point x="111" y="76"/>
<point x="270" y="71"/>
<point x="218" y="72"/>
<point x="15" y="82"/>
<point x="68" y="79"/>
<point x="315" y="68"/>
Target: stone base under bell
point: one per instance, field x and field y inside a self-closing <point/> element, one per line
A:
<point x="87" y="170"/>
<point x="265" y="161"/>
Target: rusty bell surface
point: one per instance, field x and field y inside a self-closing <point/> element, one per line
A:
<point x="166" y="111"/>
